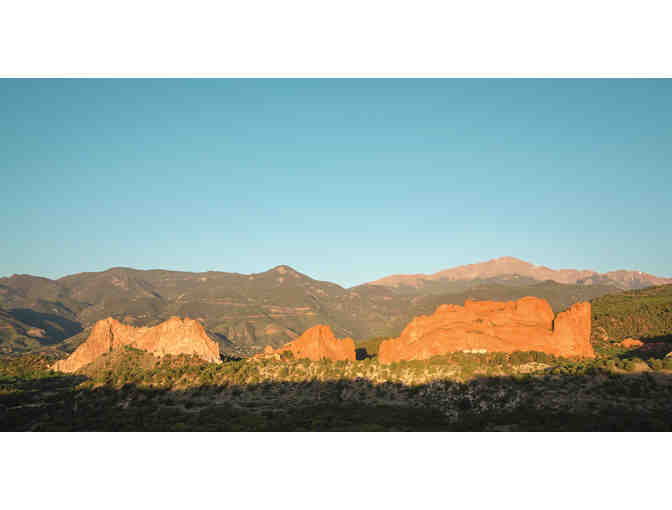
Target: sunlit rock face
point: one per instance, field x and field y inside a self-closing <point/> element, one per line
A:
<point x="315" y="344"/>
<point x="630" y="343"/>
<point x="174" y="336"/>
<point x="492" y="326"/>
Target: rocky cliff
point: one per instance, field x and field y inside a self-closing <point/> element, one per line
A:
<point x="316" y="343"/>
<point x="524" y="325"/>
<point x="174" y="336"/>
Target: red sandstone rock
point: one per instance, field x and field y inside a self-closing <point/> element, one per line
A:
<point x="174" y="336"/>
<point x="523" y="325"/>
<point x="631" y="342"/>
<point x="317" y="343"/>
<point x="571" y="332"/>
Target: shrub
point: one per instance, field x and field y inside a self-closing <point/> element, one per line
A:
<point x="656" y="364"/>
<point x="519" y="358"/>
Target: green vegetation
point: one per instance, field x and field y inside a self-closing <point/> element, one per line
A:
<point x="133" y="390"/>
<point x="560" y="296"/>
<point x="645" y="314"/>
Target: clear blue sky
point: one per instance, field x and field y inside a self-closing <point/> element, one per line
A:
<point x="345" y="180"/>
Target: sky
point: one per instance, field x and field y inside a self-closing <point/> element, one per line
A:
<point x="346" y="180"/>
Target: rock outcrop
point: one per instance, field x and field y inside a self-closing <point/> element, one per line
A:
<point x="524" y="325"/>
<point x="629" y="343"/>
<point x="174" y="336"/>
<point x="315" y="344"/>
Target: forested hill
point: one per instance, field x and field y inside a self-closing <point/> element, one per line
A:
<point x="645" y="314"/>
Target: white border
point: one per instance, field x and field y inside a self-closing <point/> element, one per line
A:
<point x="349" y="38"/>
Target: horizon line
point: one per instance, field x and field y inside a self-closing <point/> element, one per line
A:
<point x="369" y="282"/>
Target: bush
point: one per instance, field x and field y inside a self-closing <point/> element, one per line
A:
<point x="287" y="355"/>
<point x="656" y="364"/>
<point x="520" y="358"/>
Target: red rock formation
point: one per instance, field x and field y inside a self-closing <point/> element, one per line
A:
<point x="316" y="343"/>
<point x="631" y="342"/>
<point x="174" y="336"/>
<point x="524" y="325"/>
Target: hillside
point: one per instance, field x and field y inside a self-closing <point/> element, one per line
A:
<point x="560" y="296"/>
<point x="645" y="314"/>
<point x="16" y="335"/>
<point x="23" y="330"/>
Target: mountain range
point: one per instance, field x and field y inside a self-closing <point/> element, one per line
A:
<point x="246" y="312"/>
<point x="502" y="266"/>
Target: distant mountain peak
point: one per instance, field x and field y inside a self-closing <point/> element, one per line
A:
<point x="508" y="265"/>
<point x="285" y="269"/>
<point x="510" y="259"/>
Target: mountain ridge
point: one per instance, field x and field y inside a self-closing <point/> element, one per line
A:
<point x="496" y="267"/>
<point x="245" y="312"/>
<point x="624" y="279"/>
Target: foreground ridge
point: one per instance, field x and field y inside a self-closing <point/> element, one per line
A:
<point x="527" y="324"/>
<point x="174" y="336"/>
